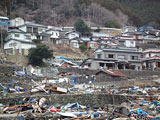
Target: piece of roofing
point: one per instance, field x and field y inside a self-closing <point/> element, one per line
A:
<point x="2" y="17"/>
<point x="33" y="24"/>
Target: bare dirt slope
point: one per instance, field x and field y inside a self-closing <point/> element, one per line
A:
<point x="67" y="51"/>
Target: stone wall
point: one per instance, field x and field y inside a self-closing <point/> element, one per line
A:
<point x="93" y="100"/>
<point x="139" y="74"/>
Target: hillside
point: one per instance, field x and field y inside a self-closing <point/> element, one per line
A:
<point x="147" y="10"/>
<point x="94" y="12"/>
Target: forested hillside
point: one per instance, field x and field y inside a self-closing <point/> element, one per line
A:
<point x="94" y="12"/>
<point x="147" y="10"/>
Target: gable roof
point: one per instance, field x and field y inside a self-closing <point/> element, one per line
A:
<point x="112" y="73"/>
<point x="16" y="31"/>
<point x="22" y="41"/>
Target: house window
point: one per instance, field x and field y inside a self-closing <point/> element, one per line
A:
<point x="99" y="56"/>
<point x="45" y="38"/>
<point x="28" y="37"/>
<point x="110" y="56"/>
<point x="149" y="54"/>
<point x="121" y="43"/>
<point x="16" y="35"/>
<point x="29" y="29"/>
<point x="134" y="57"/>
<point x="12" y="44"/>
<point x="93" y="45"/>
<point x="40" y="30"/>
<point x="121" y="56"/>
<point x="35" y="30"/>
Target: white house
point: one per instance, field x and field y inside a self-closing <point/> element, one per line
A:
<point x="32" y="28"/>
<point x="74" y="43"/>
<point x="126" y="40"/>
<point x="18" y="47"/>
<point x="96" y="36"/>
<point x="16" y="22"/>
<point x="20" y="35"/>
<point x="129" y="29"/>
<point x="151" y="59"/>
<point x="72" y="34"/>
<point x="54" y="33"/>
<point x="151" y="53"/>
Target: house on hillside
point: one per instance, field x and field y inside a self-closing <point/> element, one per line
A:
<point x="55" y="34"/>
<point x="150" y="38"/>
<point x="97" y="36"/>
<point x="92" y="45"/>
<point x="14" y="23"/>
<point x="74" y="43"/>
<point x="115" y="58"/>
<point x="128" y="29"/>
<point x="126" y="39"/>
<point x="72" y="34"/>
<point x="143" y="46"/>
<point x="4" y="23"/>
<point x="15" y="47"/>
<point x="20" y="35"/>
<point x="151" y="59"/>
<point x="126" y="42"/>
<point x="33" y="28"/>
<point x="45" y="37"/>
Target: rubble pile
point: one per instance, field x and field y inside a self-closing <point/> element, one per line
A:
<point x="29" y="108"/>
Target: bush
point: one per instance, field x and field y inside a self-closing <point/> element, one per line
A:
<point x="112" y="24"/>
<point x="82" y="27"/>
<point x="37" y="54"/>
<point x="83" y="47"/>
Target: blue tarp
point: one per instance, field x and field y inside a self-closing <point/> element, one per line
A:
<point x="21" y="74"/>
<point x="63" y="58"/>
<point x="140" y="29"/>
<point x="141" y="112"/>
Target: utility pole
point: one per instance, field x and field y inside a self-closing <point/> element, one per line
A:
<point x="1" y="41"/>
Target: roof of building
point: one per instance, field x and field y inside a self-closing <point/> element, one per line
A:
<point x="16" y="31"/>
<point x="96" y="34"/>
<point x="113" y="73"/>
<point x="2" y="17"/>
<point x="145" y="45"/>
<point x="151" y="58"/>
<point x="53" y="29"/>
<point x="120" y="49"/>
<point x="86" y="39"/>
<point x="152" y="51"/>
<point x="22" y="41"/>
<point x="33" y="24"/>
